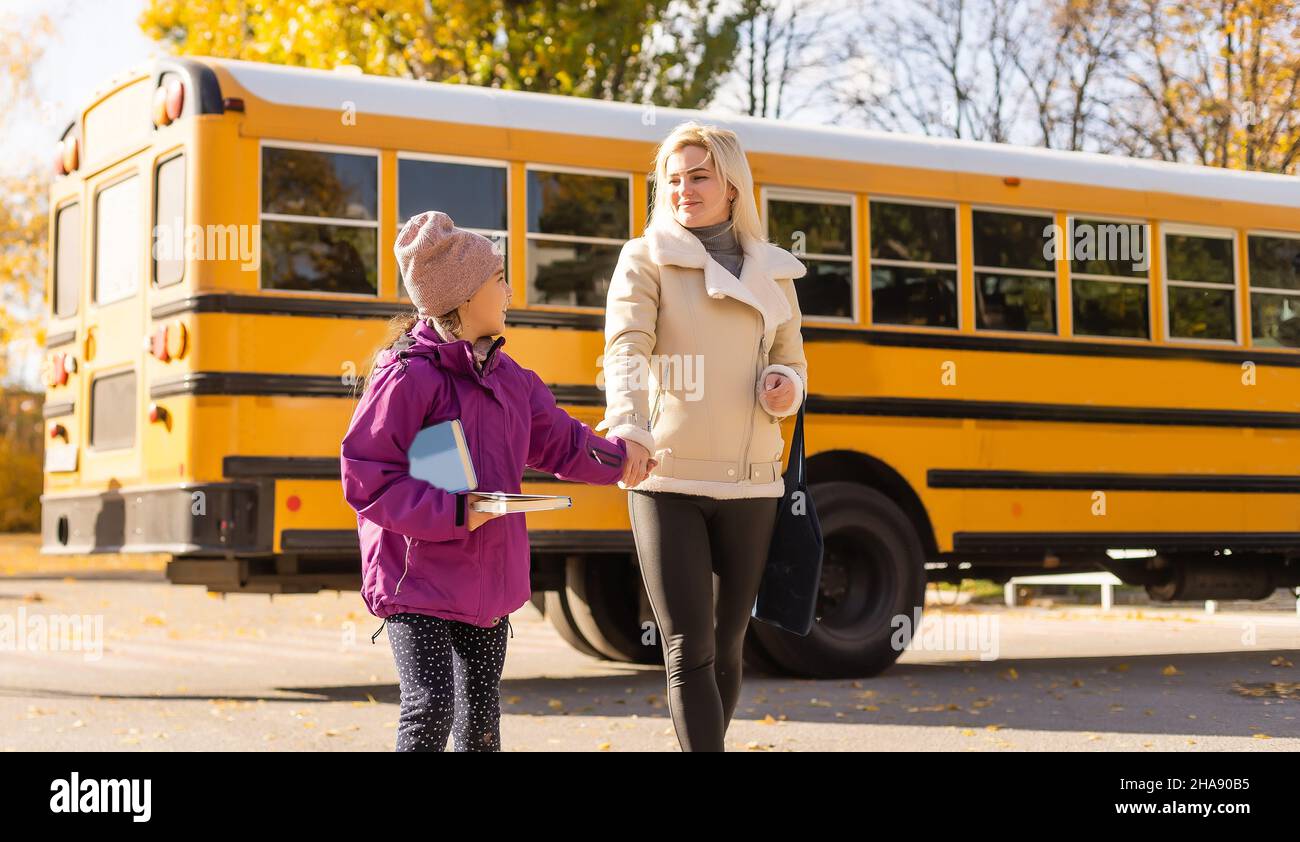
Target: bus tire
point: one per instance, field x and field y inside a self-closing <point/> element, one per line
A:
<point x="603" y="596"/>
<point x="557" y="611"/>
<point x="756" y="657"/>
<point x="873" y="569"/>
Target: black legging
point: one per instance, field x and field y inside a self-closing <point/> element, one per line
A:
<point x="450" y="676"/>
<point x="682" y="541"/>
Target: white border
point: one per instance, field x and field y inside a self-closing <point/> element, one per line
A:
<point x="955" y="267"/>
<point x="768" y="193"/>
<point x="502" y="233"/>
<point x="1148" y="280"/>
<point x="108" y="184"/>
<point x="1209" y="233"/>
<point x="1251" y="289"/>
<point x="530" y="236"/>
<point x="54" y="258"/>
<point x="263" y="143"/>
<point x="1053" y="274"/>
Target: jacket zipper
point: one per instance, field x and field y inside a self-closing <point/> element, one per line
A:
<point x="654" y="413"/>
<point x="478" y="544"/>
<point x="405" y="568"/>
<point x="753" y="404"/>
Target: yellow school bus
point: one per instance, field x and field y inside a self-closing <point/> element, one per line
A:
<point x="1020" y="359"/>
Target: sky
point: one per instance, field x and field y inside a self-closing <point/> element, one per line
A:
<point x="94" y="41"/>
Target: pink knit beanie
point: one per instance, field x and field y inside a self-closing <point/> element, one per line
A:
<point x="442" y="265"/>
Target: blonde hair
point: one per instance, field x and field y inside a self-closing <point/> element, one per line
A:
<point x="729" y="162"/>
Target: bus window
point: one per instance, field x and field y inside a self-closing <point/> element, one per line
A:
<point x="112" y="411"/>
<point x="117" y="250"/>
<point x="913" y="264"/>
<point x="67" y="260"/>
<point x="320" y="220"/>
<point x="577" y="224"/>
<point x="473" y="195"/>
<point x="1015" y="276"/>
<point x="1202" y="286"/>
<point x="820" y="234"/>
<point x="169" y="222"/>
<point x="1274" y="290"/>
<point x="1109" y="268"/>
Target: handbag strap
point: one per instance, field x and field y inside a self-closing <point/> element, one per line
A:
<point x="796" y="448"/>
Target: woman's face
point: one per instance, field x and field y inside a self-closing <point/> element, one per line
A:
<point x="485" y="313"/>
<point x="698" y="196"/>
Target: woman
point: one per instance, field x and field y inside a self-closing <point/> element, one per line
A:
<point x="707" y="303"/>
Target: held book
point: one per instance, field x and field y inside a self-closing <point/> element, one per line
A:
<point x="440" y="456"/>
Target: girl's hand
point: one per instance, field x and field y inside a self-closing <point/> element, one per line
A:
<point x="778" y="393"/>
<point x="638" y="464"/>
<point x="476" y="518"/>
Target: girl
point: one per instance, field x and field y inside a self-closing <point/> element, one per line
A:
<point x="442" y="575"/>
<point x="703" y="285"/>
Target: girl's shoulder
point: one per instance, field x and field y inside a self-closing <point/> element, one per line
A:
<point x="407" y="373"/>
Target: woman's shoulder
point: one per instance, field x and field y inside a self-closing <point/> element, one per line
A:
<point x="637" y="246"/>
<point x="781" y="264"/>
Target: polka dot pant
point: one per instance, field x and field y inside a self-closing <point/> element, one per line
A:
<point x="450" y="677"/>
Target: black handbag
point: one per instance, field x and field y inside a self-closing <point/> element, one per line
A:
<point x="787" y="597"/>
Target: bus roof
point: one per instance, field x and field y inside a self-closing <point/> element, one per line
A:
<point x="473" y="104"/>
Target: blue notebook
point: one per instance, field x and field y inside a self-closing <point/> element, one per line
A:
<point x="439" y="456"/>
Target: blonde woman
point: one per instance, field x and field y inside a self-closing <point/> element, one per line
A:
<point x="703" y="356"/>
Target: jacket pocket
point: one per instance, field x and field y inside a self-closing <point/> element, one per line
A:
<point x="443" y="576"/>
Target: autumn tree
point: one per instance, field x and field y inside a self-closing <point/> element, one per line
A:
<point x="24" y="183"/>
<point x="664" y="51"/>
<point x="781" y="43"/>
<point x="1215" y="82"/>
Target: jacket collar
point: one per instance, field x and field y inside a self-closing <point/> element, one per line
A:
<point x="672" y="244"/>
<point x="456" y="355"/>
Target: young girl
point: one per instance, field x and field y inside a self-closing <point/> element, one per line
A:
<point x="442" y="575"/>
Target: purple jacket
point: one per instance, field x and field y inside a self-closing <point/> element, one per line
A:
<point x="417" y="552"/>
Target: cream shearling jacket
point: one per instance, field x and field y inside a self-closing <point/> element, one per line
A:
<point x="687" y="347"/>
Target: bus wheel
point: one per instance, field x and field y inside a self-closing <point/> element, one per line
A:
<point x="756" y="657"/>
<point x="604" y="596"/>
<point x="873" y="569"/>
<point x="557" y="611"/>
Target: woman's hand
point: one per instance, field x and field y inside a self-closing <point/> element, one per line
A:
<point x="474" y="517"/>
<point x="638" y="464"/>
<point x="778" y="393"/>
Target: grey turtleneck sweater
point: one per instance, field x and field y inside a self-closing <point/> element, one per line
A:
<point x="721" y="243"/>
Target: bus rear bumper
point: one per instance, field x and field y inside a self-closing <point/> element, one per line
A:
<point x="197" y="519"/>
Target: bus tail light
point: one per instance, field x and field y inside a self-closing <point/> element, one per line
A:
<point x="157" y="414"/>
<point x="65" y="156"/>
<point x="71" y="160"/>
<point x="158" y="345"/>
<point x="168" y="100"/>
<point x="59" y="371"/>
<point x="175" y="98"/>
<point x="58" y="431"/>
<point x="177" y="340"/>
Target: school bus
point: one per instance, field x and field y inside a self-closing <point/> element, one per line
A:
<point x="1020" y="359"/>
